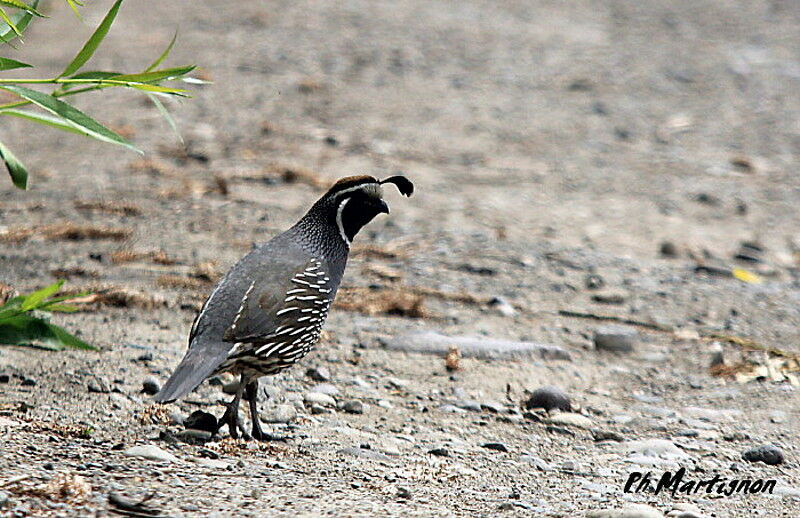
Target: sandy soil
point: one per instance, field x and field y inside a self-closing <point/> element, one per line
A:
<point x="550" y="142"/>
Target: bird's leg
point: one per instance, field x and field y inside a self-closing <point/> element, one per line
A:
<point x="231" y="415"/>
<point x="252" y="400"/>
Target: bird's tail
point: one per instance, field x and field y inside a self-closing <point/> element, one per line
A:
<point x="198" y="364"/>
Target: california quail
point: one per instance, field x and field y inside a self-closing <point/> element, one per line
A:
<point x="268" y="310"/>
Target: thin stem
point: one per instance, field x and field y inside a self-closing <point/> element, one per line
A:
<point x="59" y="80"/>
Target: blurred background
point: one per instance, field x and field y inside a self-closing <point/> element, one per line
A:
<point x="632" y="160"/>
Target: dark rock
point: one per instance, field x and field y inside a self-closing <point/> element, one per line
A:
<point x="440" y="452"/>
<point x="560" y="430"/>
<point x="607" y="435"/>
<point x="668" y="249"/>
<point x="4" y="378"/>
<point x="199" y="420"/>
<point x="496" y="446"/>
<point x="194" y="436"/>
<point x="767" y="454"/>
<point x="353" y="407"/>
<point x="145" y="357"/>
<point x="403" y="493"/>
<point x="150" y="386"/>
<point x="615" y="338"/>
<point x="319" y="374"/>
<point x="4" y="496"/>
<point x="549" y="397"/>
<point x="609" y="297"/>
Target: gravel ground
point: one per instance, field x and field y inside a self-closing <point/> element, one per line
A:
<point x="579" y="165"/>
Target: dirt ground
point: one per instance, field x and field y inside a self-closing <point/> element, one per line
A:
<point x="574" y="159"/>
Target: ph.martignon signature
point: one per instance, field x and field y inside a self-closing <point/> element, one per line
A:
<point x="676" y="483"/>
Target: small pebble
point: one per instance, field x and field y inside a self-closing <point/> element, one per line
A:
<point x="403" y="493"/>
<point x="668" y="249"/>
<point x="615" y="338"/>
<point x="150" y="386"/>
<point x="549" y="397"/>
<point x="496" y="446"/>
<point x="353" y="407"/>
<point x="607" y="435"/>
<point x="280" y="414"/>
<point x="767" y="454"/>
<point x="440" y="452"/>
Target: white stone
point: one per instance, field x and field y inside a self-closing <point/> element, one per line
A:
<point x="319" y="398"/>
<point x="570" y="419"/>
<point x="150" y="452"/>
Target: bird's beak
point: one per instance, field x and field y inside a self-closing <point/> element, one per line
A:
<point x="383" y="207"/>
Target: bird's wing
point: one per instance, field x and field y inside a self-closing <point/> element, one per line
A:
<point x="277" y="297"/>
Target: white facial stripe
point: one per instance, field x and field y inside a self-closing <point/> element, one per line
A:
<point x="374" y="189"/>
<point x="339" y="220"/>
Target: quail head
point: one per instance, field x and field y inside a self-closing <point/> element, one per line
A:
<point x="268" y="310"/>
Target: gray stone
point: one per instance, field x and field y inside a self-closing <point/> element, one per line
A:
<point x="549" y="397"/>
<point x="768" y="454"/>
<point x="279" y="414"/>
<point x="317" y="409"/>
<point x="319" y="374"/>
<point x="469" y="404"/>
<point x="3" y="499"/>
<point x="353" y="407"/>
<point x="191" y="436"/>
<point x="615" y="338"/>
<point x="200" y="420"/>
<point x="431" y="342"/>
<point x="451" y="409"/>
<point x="150" y="452"/>
<point x="607" y="435"/>
<point x="99" y="385"/>
<point x="325" y="388"/>
<point x="496" y="446"/>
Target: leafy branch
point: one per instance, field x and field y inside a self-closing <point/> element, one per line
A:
<point x="22" y="324"/>
<point x="49" y="109"/>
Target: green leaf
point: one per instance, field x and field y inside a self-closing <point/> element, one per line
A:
<point x="5" y="18"/>
<point x="164" y="113"/>
<point x="69" y="340"/>
<point x="35" y="299"/>
<point x="30" y="330"/>
<point x="73" y="4"/>
<point x="72" y="115"/>
<point x="59" y="308"/>
<point x="164" y="54"/>
<point x="18" y="172"/>
<point x="43" y="118"/>
<point x="95" y="74"/>
<point x="156" y="75"/>
<point x="93" y="42"/>
<point x="21" y="20"/>
<point x="23" y="329"/>
<point x="22" y="5"/>
<point x="159" y="89"/>
<point x="8" y="64"/>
